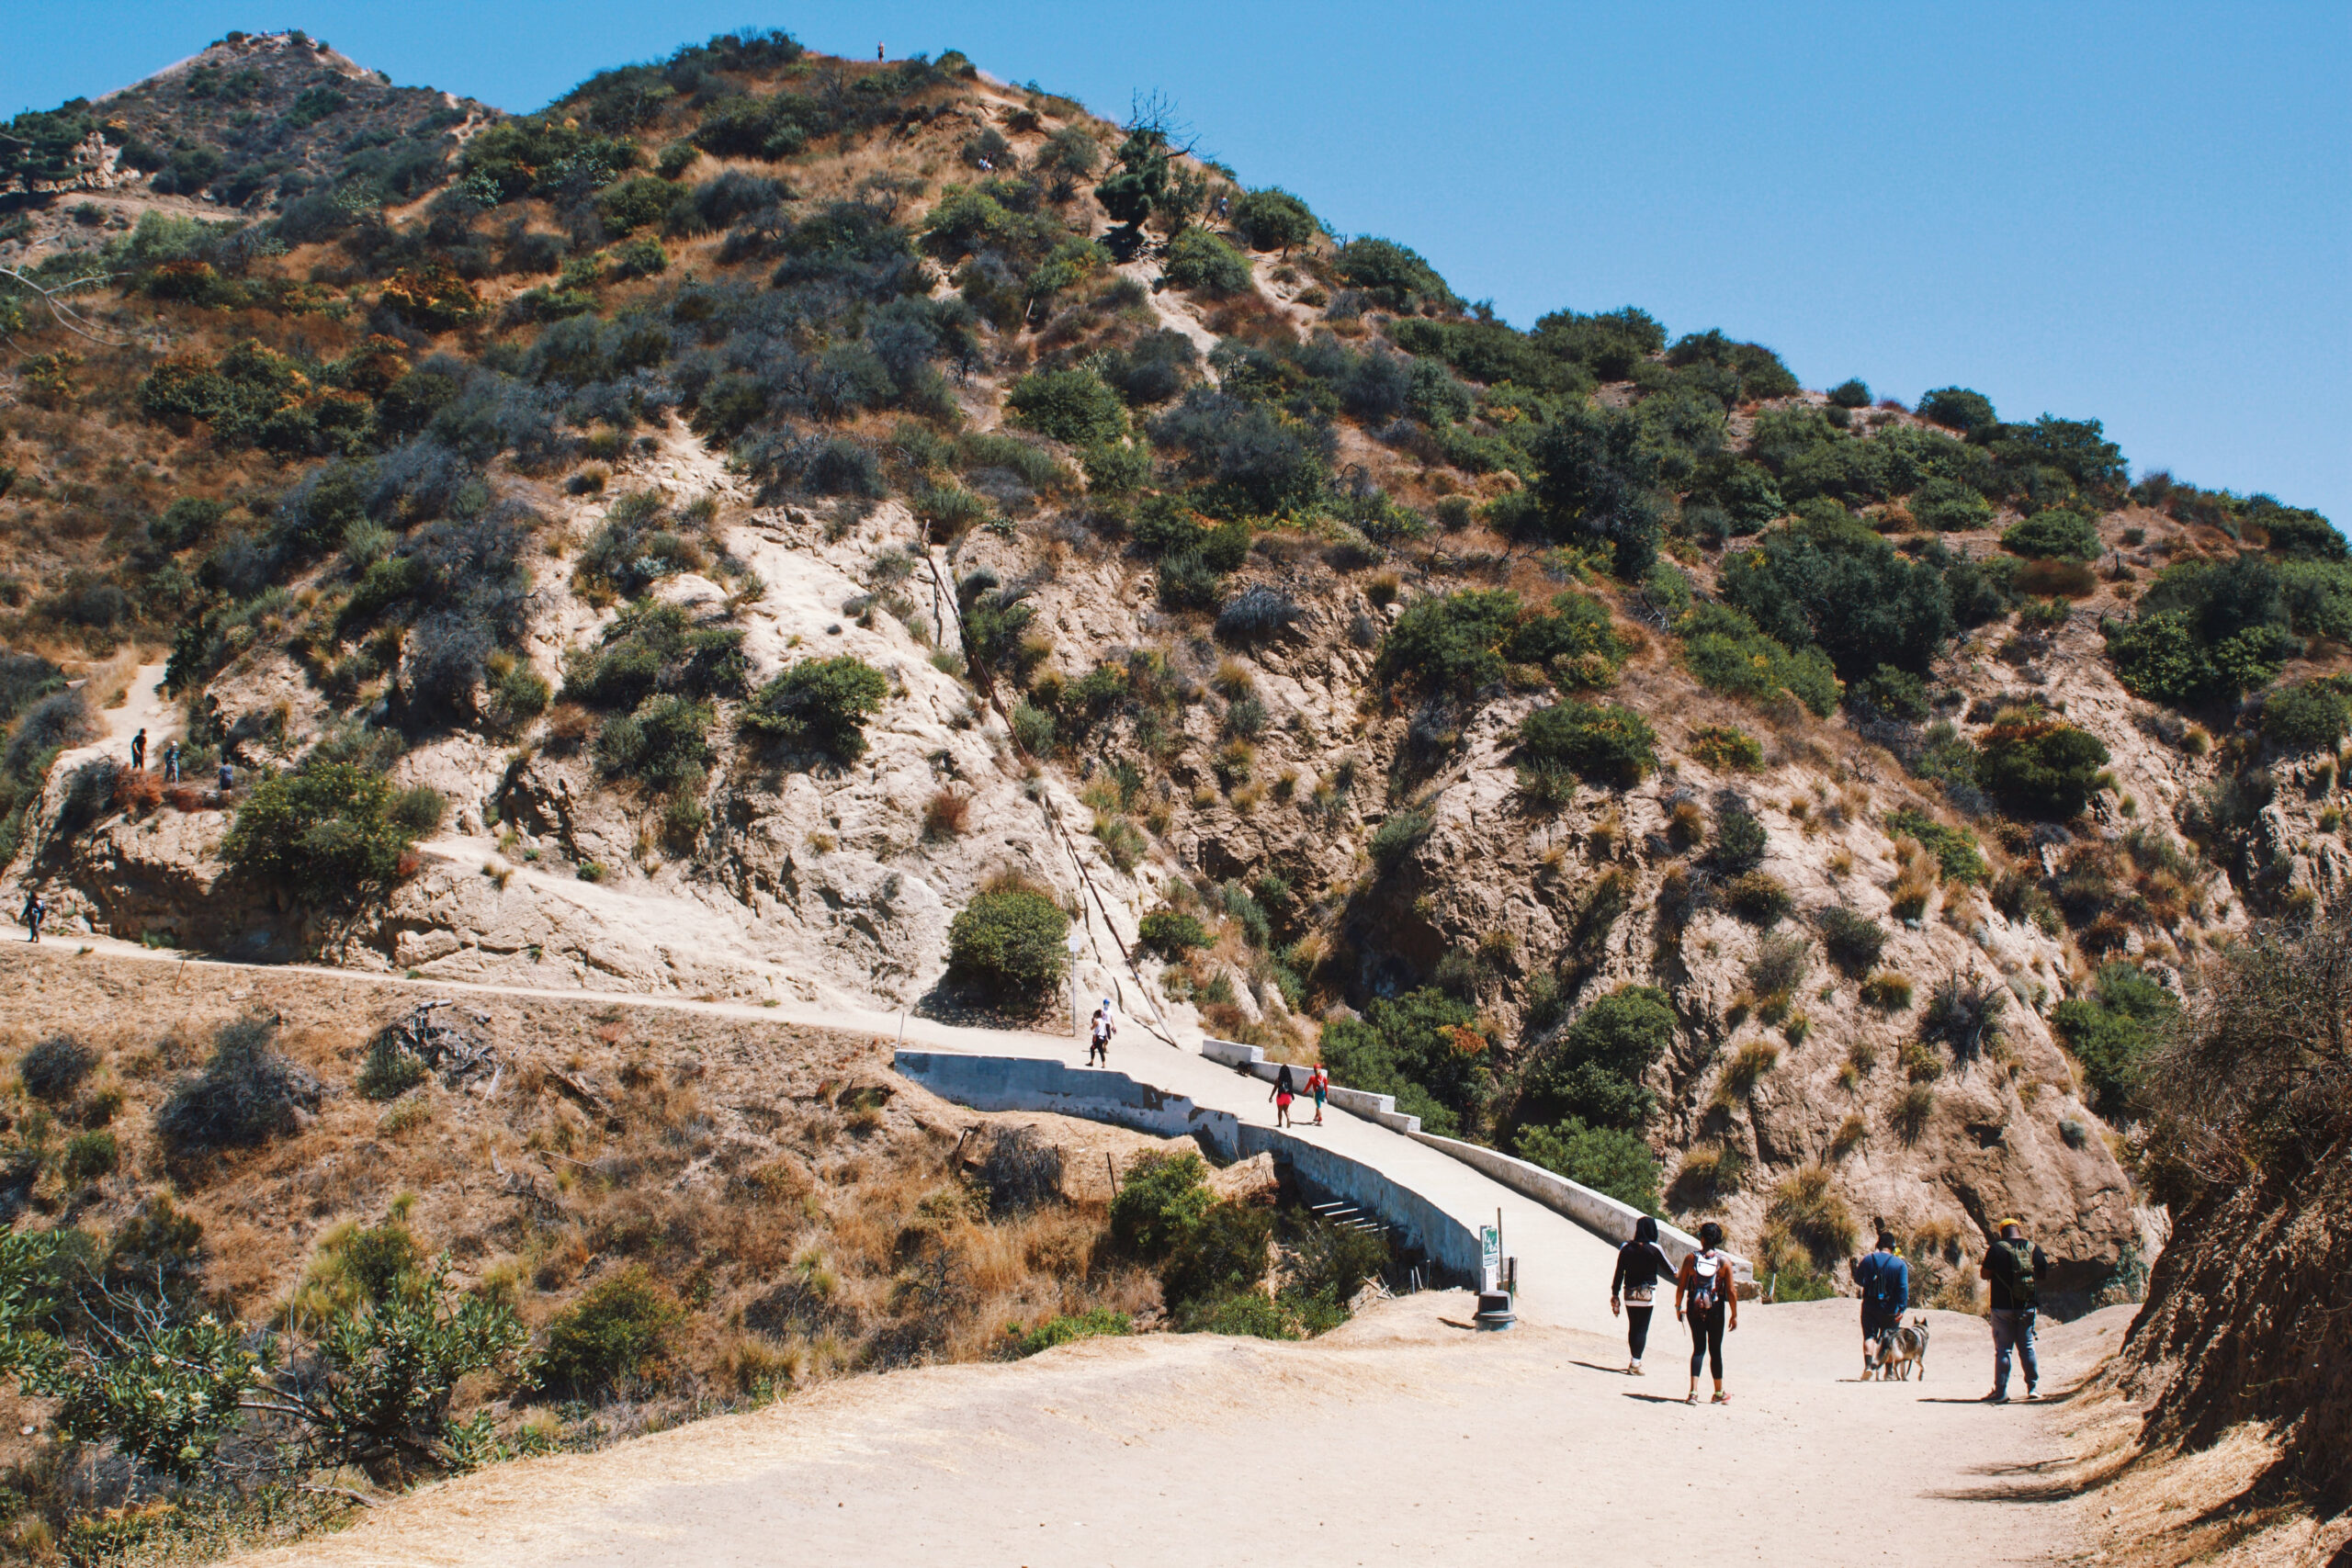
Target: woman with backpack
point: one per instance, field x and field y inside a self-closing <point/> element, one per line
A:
<point x="1705" y="1297"/>
<point x="1640" y="1263"/>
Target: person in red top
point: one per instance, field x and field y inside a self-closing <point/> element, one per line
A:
<point x="1319" y="1084"/>
<point x="1703" y="1297"/>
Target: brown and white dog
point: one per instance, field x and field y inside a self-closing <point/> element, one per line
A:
<point x="1903" y="1349"/>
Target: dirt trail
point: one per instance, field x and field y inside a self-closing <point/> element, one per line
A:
<point x="1397" y="1440"/>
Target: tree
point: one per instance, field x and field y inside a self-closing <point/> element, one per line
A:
<point x="1612" y="1161"/>
<point x="1594" y="1072"/>
<point x="327" y="832"/>
<point x="1273" y="220"/>
<point x="1595" y="479"/>
<point x="822" y="703"/>
<point x="2040" y="768"/>
<point x="1009" y="940"/>
<point x="1075" y="406"/>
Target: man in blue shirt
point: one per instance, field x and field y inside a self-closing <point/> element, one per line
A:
<point x="1885" y="1281"/>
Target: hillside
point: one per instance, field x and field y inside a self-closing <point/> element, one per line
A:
<point x="767" y="521"/>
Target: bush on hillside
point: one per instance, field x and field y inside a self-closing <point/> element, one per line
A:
<point x="1010" y="941"/>
<point x="1593" y="1072"/>
<point x="2305" y="717"/>
<point x="1950" y="506"/>
<point x="53" y="1071"/>
<point x="1171" y="933"/>
<point x="247" y="1094"/>
<point x="1723" y="649"/>
<point x="2112" y="1031"/>
<point x="1601" y="743"/>
<point x="1420" y="1047"/>
<point x="1394" y="278"/>
<point x="2040" y="768"/>
<point x="1834" y="584"/>
<point x="1075" y="406"/>
<point x="2055" y="534"/>
<point x="821" y="703"/>
<point x="327" y="832"/>
<point x="1199" y="261"/>
<point x="1957" y="408"/>
<point x="1852" y="940"/>
<point x="1854" y="393"/>
<point x="1612" y="1161"/>
<point x="1273" y="220"/>
<point x="620" y="1334"/>
<point x="664" y="743"/>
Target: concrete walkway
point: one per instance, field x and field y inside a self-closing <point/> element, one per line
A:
<point x="1564" y="1268"/>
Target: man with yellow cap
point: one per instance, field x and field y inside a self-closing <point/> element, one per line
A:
<point x="2014" y="1267"/>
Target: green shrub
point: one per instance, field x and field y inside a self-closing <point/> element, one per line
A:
<point x="1460" y="642"/>
<point x="1273" y="220"/>
<point x="1954" y="849"/>
<point x="1852" y="940"/>
<point x="664" y="743"/>
<point x="1011" y="942"/>
<point x="1199" y="261"/>
<point x="1244" y="1314"/>
<point x="2052" y="535"/>
<point x="1723" y="649"/>
<point x="1033" y="727"/>
<point x="2305" y="717"/>
<point x="1398" y="836"/>
<point x="1602" y="744"/>
<point x="1614" y="1163"/>
<point x="1854" y="393"/>
<point x="326" y="831"/>
<point x="1949" y="506"/>
<point x="1886" y="992"/>
<point x="1222" y="1253"/>
<point x="1116" y="467"/>
<point x="1161" y="1196"/>
<point x="1171" y="933"/>
<point x="1068" y="1328"/>
<point x="1395" y="278"/>
<point x="89" y="1156"/>
<point x="1420" y="1047"/>
<point x="1727" y="748"/>
<point x="1957" y="408"/>
<point x="2112" y="1031"/>
<point x="623" y="1331"/>
<point x="1075" y="406"/>
<point x="390" y="1070"/>
<point x="2040" y="768"/>
<point x="1593" y="1074"/>
<point x="1740" y="839"/>
<point x="821" y="703"/>
<point x="1832" y="584"/>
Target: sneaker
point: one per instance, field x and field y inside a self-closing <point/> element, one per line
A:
<point x="1721" y="1398"/>
<point x="1996" y="1398"/>
<point x="2030" y="1395"/>
<point x="1636" y="1370"/>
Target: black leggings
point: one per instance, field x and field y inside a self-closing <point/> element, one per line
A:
<point x="1707" y="1339"/>
<point x="1637" y="1327"/>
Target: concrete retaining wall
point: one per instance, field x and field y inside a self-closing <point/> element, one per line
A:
<point x="1597" y="1212"/>
<point x="1032" y="1083"/>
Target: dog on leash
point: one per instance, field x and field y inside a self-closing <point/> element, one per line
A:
<point x="1903" y="1349"/>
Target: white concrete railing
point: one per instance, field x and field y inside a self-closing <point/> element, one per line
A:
<point x="1251" y="1059"/>
<point x="1597" y="1212"/>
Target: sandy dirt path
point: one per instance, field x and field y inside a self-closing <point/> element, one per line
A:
<point x="1397" y="1440"/>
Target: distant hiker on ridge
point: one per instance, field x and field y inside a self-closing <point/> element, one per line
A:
<point x="138" y="751"/>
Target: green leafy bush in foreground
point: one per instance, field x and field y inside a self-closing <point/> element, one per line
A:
<point x="326" y="831"/>
<point x="1611" y="1161"/>
<point x="622" y="1330"/>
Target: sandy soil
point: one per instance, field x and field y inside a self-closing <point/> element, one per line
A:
<point x="1396" y="1440"/>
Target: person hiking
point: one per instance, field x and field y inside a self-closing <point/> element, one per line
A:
<point x="2015" y="1266"/>
<point x="1319" y="1084"/>
<point x="228" y="776"/>
<point x="1885" y="1281"/>
<point x="171" y="762"/>
<point x="139" y="753"/>
<point x="34" y="910"/>
<point x="1640" y="1263"/>
<point x="1705" y="1297"/>
<point x="1286" y="1090"/>
<point x="1098" y="1036"/>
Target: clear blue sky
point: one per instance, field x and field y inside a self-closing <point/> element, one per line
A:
<point x="2141" y="212"/>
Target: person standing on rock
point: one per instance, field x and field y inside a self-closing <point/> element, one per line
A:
<point x="139" y="753"/>
<point x="1286" y="1090"/>
<point x="1885" y="1281"/>
<point x="1319" y="1084"/>
<point x="1705" y="1298"/>
<point x="2015" y="1266"/>
<point x="1641" y="1262"/>
<point x="171" y="762"/>
<point x="1099" y="1034"/>
<point x="34" y="910"/>
<point x="228" y="776"/>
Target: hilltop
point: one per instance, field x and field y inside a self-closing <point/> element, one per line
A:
<point x="769" y="525"/>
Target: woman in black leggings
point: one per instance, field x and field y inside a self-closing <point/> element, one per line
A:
<point x="1641" y="1262"/>
<point x="1705" y="1297"/>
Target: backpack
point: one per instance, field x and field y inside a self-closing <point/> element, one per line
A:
<point x="2022" y="1289"/>
<point x="1700" y="1296"/>
<point x="1882" y="1293"/>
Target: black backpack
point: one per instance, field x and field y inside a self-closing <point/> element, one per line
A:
<point x="2023" y="1292"/>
